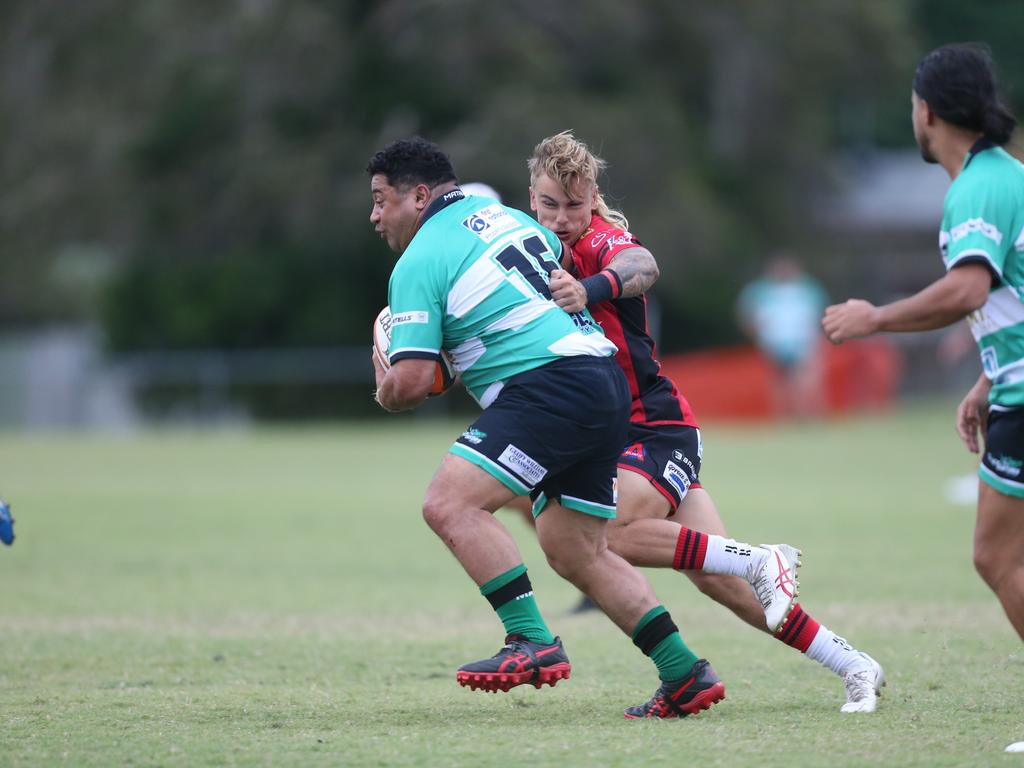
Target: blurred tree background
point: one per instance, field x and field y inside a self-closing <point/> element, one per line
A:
<point x="191" y="174"/>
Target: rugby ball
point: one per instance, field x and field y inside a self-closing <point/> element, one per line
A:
<point x="444" y="372"/>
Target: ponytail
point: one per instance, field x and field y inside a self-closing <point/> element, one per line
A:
<point x="958" y="83"/>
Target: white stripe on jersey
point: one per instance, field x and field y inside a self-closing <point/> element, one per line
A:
<point x="491" y="394"/>
<point x="467" y="353"/>
<point x="1002" y="310"/>
<point x="594" y="344"/>
<point x="523" y="315"/>
<point x="1011" y="373"/>
<point x="482" y="278"/>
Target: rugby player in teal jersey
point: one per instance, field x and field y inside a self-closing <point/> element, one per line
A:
<point x="472" y="280"/>
<point x="665" y="518"/>
<point x="960" y="123"/>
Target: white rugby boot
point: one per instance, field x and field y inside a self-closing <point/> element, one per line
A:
<point x="775" y="583"/>
<point x="863" y="685"/>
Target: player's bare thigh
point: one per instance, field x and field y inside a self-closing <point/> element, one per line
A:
<point x="461" y="484"/>
<point x="638" y="499"/>
<point x="698" y="512"/>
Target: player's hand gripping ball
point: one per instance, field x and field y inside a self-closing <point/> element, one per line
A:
<point x="444" y="371"/>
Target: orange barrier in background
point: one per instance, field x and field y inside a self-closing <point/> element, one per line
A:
<point x="737" y="382"/>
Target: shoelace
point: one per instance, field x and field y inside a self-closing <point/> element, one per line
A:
<point x="763" y="588"/>
<point x="859" y="685"/>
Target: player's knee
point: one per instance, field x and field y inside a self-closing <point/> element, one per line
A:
<point x="568" y="561"/>
<point x="990" y="564"/>
<point x="437" y="512"/>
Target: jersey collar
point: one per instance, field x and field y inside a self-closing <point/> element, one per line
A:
<point x="441" y="203"/>
<point x="977" y="148"/>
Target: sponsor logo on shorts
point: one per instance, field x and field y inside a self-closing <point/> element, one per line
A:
<point x="474" y="436"/>
<point x="635" y="452"/>
<point x="682" y="457"/>
<point x="404" y="318"/>
<point x="523" y="465"/>
<point x="615" y="490"/>
<point x="1005" y="465"/>
<point x="677" y="477"/>
<point x="490" y="222"/>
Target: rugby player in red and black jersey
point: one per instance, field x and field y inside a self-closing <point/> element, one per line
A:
<point x="664" y="518"/>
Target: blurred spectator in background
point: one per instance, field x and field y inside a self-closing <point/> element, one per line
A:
<point x="780" y="311"/>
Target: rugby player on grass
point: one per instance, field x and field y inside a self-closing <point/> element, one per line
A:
<point x="664" y="517"/>
<point x="472" y="280"/>
<point x="961" y="124"/>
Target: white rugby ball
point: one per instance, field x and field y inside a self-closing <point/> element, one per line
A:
<point x="444" y="372"/>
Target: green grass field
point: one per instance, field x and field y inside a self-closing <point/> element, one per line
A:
<point x="274" y="598"/>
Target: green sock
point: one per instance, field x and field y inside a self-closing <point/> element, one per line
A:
<point x="511" y="596"/>
<point x="658" y="637"/>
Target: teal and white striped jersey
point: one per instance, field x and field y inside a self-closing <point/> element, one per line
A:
<point x="474" y="282"/>
<point x="983" y="222"/>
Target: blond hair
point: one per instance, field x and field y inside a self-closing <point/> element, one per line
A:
<point x="569" y="161"/>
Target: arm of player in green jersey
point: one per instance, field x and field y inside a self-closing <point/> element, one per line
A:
<point x="961" y="291"/>
<point x="405" y="384"/>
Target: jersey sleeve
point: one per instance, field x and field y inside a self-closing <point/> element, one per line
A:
<point x="417" y="310"/>
<point x="976" y="230"/>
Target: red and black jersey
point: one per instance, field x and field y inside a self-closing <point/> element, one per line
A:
<point x="655" y="398"/>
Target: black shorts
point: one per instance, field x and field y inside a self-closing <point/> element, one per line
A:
<point x="1002" y="463"/>
<point x="669" y="456"/>
<point x="555" y="433"/>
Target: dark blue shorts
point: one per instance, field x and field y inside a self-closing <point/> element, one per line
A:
<point x="1002" y="463"/>
<point x="669" y="456"/>
<point x="555" y="432"/>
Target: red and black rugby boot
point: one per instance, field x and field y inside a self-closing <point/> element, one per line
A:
<point x="520" y="661"/>
<point x="679" y="698"/>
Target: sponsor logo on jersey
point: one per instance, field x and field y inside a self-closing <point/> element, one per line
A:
<point x="675" y="475"/>
<point x="635" y="451"/>
<point x="491" y="222"/>
<point x="989" y="362"/>
<point x="518" y="461"/>
<point x="624" y="239"/>
<point x="474" y="436"/>
<point x="404" y="318"/>
<point x="1005" y="465"/>
<point x="991" y="231"/>
<point x="596" y="240"/>
<point x="677" y="455"/>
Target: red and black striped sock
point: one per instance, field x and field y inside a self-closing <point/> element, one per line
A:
<point x="691" y="548"/>
<point x="799" y="630"/>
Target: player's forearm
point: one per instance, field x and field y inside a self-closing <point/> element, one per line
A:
<point x="398" y="393"/>
<point x="637" y="270"/>
<point x="940" y="304"/>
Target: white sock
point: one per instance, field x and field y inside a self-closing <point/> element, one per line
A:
<point x="730" y="557"/>
<point x="832" y="651"/>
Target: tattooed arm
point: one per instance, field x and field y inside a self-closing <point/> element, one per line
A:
<point x="637" y="270"/>
<point x="628" y="274"/>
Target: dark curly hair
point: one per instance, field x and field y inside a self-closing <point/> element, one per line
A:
<point x="958" y="83"/>
<point x="412" y="161"/>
